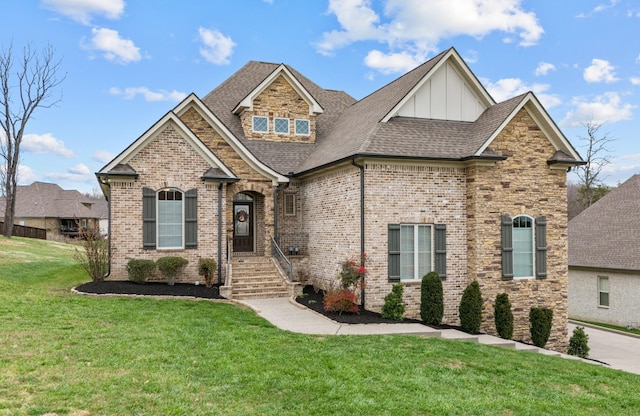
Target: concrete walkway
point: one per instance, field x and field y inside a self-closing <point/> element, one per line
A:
<point x="611" y="349"/>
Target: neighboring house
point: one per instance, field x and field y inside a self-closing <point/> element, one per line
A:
<point x="604" y="258"/>
<point x="63" y="213"/>
<point x="426" y="173"/>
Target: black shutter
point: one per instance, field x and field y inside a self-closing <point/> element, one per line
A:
<point x="148" y="218"/>
<point x="394" y="252"/>
<point x="191" y="219"/>
<point x="441" y="250"/>
<point x="541" y="247"/>
<point x="507" y="247"/>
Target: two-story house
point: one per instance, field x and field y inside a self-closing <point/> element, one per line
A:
<point x="426" y="173"/>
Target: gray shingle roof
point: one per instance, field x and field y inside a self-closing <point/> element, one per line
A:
<point x="41" y="199"/>
<point x="348" y="128"/>
<point x="607" y="234"/>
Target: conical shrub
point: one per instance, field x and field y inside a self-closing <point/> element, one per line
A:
<point x="470" y="309"/>
<point x="431" y="299"/>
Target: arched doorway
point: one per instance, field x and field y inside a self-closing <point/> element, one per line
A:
<point x="243" y="223"/>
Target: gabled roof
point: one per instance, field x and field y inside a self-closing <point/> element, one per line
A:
<point x="42" y="199"/>
<point x="119" y="165"/>
<point x="607" y="234"/>
<point x="283" y="71"/>
<point x="193" y="102"/>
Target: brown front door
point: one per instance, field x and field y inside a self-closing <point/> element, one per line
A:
<point x="243" y="226"/>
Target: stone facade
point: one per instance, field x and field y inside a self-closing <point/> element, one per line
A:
<point x="279" y="100"/>
<point x="521" y="184"/>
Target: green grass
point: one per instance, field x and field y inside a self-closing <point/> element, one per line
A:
<point x="617" y="328"/>
<point x="68" y="354"/>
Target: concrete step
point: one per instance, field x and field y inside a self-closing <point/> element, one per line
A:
<point x="255" y="278"/>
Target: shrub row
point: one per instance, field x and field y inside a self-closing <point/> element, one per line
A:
<point x="141" y="270"/>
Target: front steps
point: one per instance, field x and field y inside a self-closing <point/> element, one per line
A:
<point x="256" y="277"/>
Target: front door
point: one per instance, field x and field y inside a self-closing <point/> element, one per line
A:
<point x="243" y="226"/>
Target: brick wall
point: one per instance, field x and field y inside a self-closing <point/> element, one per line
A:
<point x="168" y="161"/>
<point x="522" y="184"/>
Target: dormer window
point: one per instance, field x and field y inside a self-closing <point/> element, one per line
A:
<point x="302" y="127"/>
<point x="281" y="125"/>
<point x="260" y="124"/>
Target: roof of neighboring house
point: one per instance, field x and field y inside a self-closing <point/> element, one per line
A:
<point x="607" y="234"/>
<point x="42" y="199"/>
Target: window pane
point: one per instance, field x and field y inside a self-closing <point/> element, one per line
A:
<point x="281" y="125"/>
<point x="604" y="284"/>
<point x="260" y="124"/>
<point x="604" y="299"/>
<point x="522" y="247"/>
<point x="424" y="250"/>
<point x="170" y="221"/>
<point x="406" y="252"/>
<point x="302" y="127"/>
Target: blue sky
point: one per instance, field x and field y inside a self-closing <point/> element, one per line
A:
<point x="129" y="62"/>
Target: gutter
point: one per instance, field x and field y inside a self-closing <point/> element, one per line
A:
<point x="362" y="250"/>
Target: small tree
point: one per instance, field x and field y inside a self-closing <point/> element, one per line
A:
<point x="503" y="316"/>
<point x="431" y="299"/>
<point x="597" y="147"/>
<point x="540" y="320"/>
<point x="94" y="257"/>
<point x="207" y="268"/>
<point x="140" y="270"/>
<point x="471" y="308"/>
<point x="394" y="307"/>
<point x="171" y="267"/>
<point x="579" y="343"/>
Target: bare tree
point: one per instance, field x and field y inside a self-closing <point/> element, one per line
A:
<point x="23" y="90"/>
<point x="589" y="174"/>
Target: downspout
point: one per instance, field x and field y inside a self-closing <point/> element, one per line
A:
<point x="109" y="234"/>
<point x="362" y="250"/>
<point x="279" y="188"/>
<point x="220" y="232"/>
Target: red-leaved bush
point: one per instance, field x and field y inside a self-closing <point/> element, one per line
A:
<point x="342" y="300"/>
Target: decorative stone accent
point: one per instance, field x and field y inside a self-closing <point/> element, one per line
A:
<point x="279" y="100"/>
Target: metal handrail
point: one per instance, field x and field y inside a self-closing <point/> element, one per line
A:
<point x="279" y="255"/>
<point x="228" y="274"/>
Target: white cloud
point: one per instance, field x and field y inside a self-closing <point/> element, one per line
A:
<point x="511" y="87"/>
<point x="635" y="80"/>
<point x="600" y="71"/>
<point x="45" y="143"/>
<point x="83" y="10"/>
<point x="77" y="173"/>
<point x="216" y="48"/>
<point x="416" y="26"/>
<point x="103" y="156"/>
<point x="391" y="62"/>
<point x="26" y="175"/>
<point x="130" y="93"/>
<point x="544" y="68"/>
<point x="113" y="47"/>
<point x="606" y="108"/>
<point x="605" y="6"/>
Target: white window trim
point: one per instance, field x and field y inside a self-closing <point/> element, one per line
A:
<point x="293" y="197"/>
<point x="600" y="291"/>
<point x="181" y="247"/>
<point x="415" y="257"/>
<point x="253" y="124"/>
<point x="295" y="126"/>
<point x="275" y="119"/>
<point x="533" y="248"/>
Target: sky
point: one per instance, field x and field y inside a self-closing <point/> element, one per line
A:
<point x="127" y="63"/>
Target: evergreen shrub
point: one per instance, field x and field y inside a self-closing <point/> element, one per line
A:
<point x="431" y="299"/>
<point x="540" y="320"/>
<point x="140" y="270"/>
<point x="470" y="309"/>
<point x="170" y="267"/>
<point x="393" y="307"/>
<point x="579" y="343"/>
<point x="503" y="316"/>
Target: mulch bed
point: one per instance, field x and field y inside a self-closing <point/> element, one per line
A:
<point x="312" y="299"/>
<point x="125" y="287"/>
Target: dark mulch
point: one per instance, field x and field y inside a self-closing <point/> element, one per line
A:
<point x="126" y="287"/>
<point x="312" y="299"/>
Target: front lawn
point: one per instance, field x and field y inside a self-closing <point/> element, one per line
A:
<point x="67" y="354"/>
